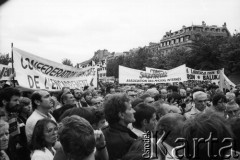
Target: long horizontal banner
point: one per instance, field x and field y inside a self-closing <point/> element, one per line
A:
<point x="133" y="76"/>
<point x="195" y="75"/>
<point x="35" y="72"/>
<point x="5" y="72"/>
<point x="214" y="76"/>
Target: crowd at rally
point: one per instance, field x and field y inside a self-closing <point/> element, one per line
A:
<point x="110" y="124"/>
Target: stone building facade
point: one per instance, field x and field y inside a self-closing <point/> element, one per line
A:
<point x="185" y="37"/>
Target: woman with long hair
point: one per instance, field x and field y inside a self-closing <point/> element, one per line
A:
<point x="43" y="139"/>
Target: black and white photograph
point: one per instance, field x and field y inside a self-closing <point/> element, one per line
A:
<point x="120" y="80"/>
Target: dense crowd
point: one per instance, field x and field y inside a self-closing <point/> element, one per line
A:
<point x="112" y="123"/>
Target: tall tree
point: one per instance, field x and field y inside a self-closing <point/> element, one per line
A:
<point x="206" y="53"/>
<point x="176" y="57"/>
<point x="230" y="52"/>
<point x="4" y="59"/>
<point x="67" y="62"/>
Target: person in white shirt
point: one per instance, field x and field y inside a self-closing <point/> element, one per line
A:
<point x="41" y="104"/>
<point x="43" y="139"/>
<point x="200" y="103"/>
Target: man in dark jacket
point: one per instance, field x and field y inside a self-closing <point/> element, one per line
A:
<point x="119" y="113"/>
<point x="9" y="102"/>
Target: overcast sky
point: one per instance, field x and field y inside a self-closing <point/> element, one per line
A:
<point x="75" y="29"/>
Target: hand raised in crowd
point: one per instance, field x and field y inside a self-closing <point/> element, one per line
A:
<point x="100" y="139"/>
<point x="102" y="152"/>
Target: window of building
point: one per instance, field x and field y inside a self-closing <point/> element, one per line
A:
<point x="181" y="39"/>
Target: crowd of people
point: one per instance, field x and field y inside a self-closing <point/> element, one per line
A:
<point x="202" y="121"/>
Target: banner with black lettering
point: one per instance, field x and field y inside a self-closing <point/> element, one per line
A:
<point x="194" y="75"/>
<point x="5" y="72"/>
<point x="212" y="76"/>
<point x="35" y="72"/>
<point x="133" y="76"/>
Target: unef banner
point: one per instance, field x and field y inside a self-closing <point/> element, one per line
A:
<point x="133" y="76"/>
<point x="199" y="75"/>
<point x="5" y="72"/>
<point x="38" y="73"/>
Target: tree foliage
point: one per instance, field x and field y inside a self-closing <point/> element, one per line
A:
<point x="207" y="53"/>
<point x="67" y="62"/>
<point x="4" y="59"/>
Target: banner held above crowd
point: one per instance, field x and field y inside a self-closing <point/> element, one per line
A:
<point x="35" y="72"/>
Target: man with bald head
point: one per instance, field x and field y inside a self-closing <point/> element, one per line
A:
<point x="200" y="103"/>
<point x="41" y="104"/>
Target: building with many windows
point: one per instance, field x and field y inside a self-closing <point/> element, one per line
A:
<point x="186" y="35"/>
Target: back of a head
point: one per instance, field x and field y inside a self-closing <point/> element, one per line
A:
<point x="24" y="101"/>
<point x="134" y="155"/>
<point x="77" y="137"/>
<point x="152" y="92"/>
<point x="174" y="97"/>
<point x="235" y="126"/>
<point x="161" y="108"/>
<point x="205" y="127"/>
<point x="136" y="102"/>
<point x="144" y="96"/>
<point x="232" y="106"/>
<point x="173" y="88"/>
<point x="217" y="98"/>
<point x="171" y="124"/>
<point x="230" y="96"/>
<point x="84" y="112"/>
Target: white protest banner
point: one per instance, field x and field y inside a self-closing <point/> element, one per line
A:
<point x="225" y="82"/>
<point x="5" y="72"/>
<point x="194" y="75"/>
<point x="154" y="70"/>
<point x="133" y="76"/>
<point x="199" y="75"/>
<point x="35" y="72"/>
